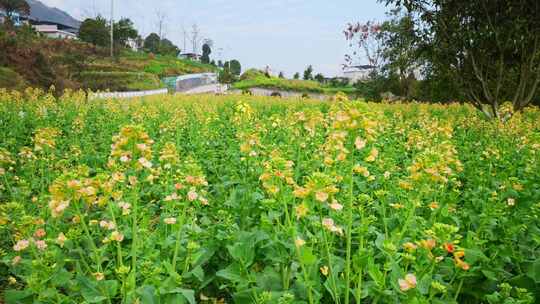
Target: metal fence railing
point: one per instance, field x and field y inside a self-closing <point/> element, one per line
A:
<point x="188" y="82"/>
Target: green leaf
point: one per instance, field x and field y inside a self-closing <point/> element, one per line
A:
<point x="148" y="294"/>
<point x="110" y="286"/>
<point x="533" y="271"/>
<point x="188" y="294"/>
<point x="243" y="252"/>
<point x="424" y="284"/>
<point x="197" y="272"/>
<point x="232" y="273"/>
<point x="18" y="296"/>
<point x="174" y="299"/>
<point x="375" y="273"/>
<point x="307" y="257"/>
<point x="61" y="278"/>
<point x="90" y="291"/>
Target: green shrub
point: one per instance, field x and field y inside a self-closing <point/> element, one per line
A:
<point x="252" y="74"/>
<point x="11" y="80"/>
<point x="119" y="81"/>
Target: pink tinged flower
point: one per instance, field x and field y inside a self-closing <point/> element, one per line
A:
<point x="61" y="239"/>
<point x="124" y="158"/>
<point x="299" y="242"/>
<point x="170" y="221"/>
<point x="117" y="236"/>
<point x="408" y="283"/>
<point x="21" y="245"/>
<point x="58" y="207"/>
<point x="145" y="163"/>
<point x="99" y="276"/>
<point x="107" y="225"/>
<point x="126" y="207"/>
<point x="336" y="206"/>
<point x="41" y="245"/>
<point x="172" y="197"/>
<point x="16" y="260"/>
<point x="359" y="143"/>
<point x="40" y="233"/>
<point x="192" y="195"/>
<point x="328" y="223"/>
<point x="321" y="196"/>
<point x="142" y="147"/>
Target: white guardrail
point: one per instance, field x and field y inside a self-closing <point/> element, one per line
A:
<point x="107" y="95"/>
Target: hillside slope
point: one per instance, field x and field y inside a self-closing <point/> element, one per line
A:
<point x="71" y="64"/>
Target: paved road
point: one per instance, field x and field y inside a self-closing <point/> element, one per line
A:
<point x="211" y="88"/>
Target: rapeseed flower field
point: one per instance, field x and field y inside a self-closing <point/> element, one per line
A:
<point x="241" y="199"/>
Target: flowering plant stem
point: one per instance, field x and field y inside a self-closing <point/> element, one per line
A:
<point x="349" y="232"/>
<point x="134" y="239"/>
<point x="178" y="238"/>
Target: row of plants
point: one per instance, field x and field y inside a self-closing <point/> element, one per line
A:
<point x="240" y="199"/>
<point x="120" y="81"/>
<point x="259" y="80"/>
<point x="159" y="65"/>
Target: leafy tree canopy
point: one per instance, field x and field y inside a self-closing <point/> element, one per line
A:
<point x="95" y="31"/>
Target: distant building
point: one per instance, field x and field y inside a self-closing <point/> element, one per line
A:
<point x="51" y="22"/>
<point x="358" y="73"/>
<point x="52" y="31"/>
<point x="190" y="56"/>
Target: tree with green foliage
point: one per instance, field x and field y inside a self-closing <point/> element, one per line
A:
<point x="400" y="52"/>
<point x="226" y="76"/>
<point x="489" y="48"/>
<point x="95" y="31"/>
<point x="281" y="75"/>
<point x="155" y="45"/>
<point x="206" y="51"/>
<point x="151" y="43"/>
<point x="124" y="30"/>
<point x="166" y="47"/>
<point x="319" y="77"/>
<point x="236" y="67"/>
<point x="10" y="7"/>
<point x="296" y="76"/>
<point x="308" y="73"/>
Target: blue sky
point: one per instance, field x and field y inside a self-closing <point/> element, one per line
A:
<point x="287" y="35"/>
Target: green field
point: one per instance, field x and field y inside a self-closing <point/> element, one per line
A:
<point x="239" y="199"/>
<point x="259" y="80"/>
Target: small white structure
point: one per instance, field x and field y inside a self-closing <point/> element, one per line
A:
<point x="358" y="73"/>
<point x="133" y="44"/>
<point x="52" y="31"/>
<point x="190" y="56"/>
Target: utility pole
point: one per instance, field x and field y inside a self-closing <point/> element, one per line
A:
<point x="195" y="38"/>
<point x="112" y="28"/>
<point x="185" y="36"/>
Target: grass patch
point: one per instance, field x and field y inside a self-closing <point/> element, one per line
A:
<point x="161" y="66"/>
<point x="120" y="81"/>
<point x="294" y="85"/>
